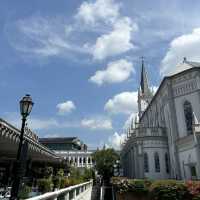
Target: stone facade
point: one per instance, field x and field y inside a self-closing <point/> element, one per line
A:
<point x="164" y="142"/>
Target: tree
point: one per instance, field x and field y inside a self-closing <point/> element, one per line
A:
<point x="104" y="161"/>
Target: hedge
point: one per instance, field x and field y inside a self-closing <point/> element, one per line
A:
<point x="159" y="189"/>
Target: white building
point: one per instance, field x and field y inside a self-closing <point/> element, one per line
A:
<point x="163" y="142"/>
<point x="71" y="149"/>
<point x="78" y="158"/>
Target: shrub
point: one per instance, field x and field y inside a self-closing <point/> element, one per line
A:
<point x="139" y="187"/>
<point x="64" y="182"/>
<point x="194" y="188"/>
<point x="88" y="174"/>
<point x="169" y="190"/>
<point x="56" y="181"/>
<point x="24" y="192"/>
<point x="60" y="172"/>
<point x="44" y="185"/>
<point x="48" y="171"/>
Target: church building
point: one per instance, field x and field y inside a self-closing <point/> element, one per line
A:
<point x="164" y="140"/>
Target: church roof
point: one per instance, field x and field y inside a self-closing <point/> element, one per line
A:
<point x="184" y="66"/>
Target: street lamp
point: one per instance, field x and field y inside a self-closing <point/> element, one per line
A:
<point x="26" y="105"/>
<point x="116" y="167"/>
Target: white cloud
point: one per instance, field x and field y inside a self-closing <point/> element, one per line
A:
<point x="116" y="72"/>
<point x="125" y="102"/>
<point x="97" y="123"/>
<point x="154" y="89"/>
<point x="130" y="120"/>
<point x="117" y="41"/>
<point x="66" y="107"/>
<point x="187" y="45"/>
<point x="42" y="36"/>
<point x="116" y="140"/>
<point x="38" y="123"/>
<point x="100" y="10"/>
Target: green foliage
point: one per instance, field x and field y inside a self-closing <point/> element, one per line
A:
<point x="105" y="159"/>
<point x="194" y="188"/>
<point x="60" y="172"/>
<point x="44" y="185"/>
<point x="75" y="173"/>
<point x="24" y="192"/>
<point x="48" y="172"/>
<point x="158" y="190"/>
<point x="169" y="190"/>
<point x="56" y="181"/>
<point x="64" y="182"/>
<point x="138" y="187"/>
<point x="88" y="174"/>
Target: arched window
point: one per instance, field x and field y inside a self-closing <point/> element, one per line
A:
<point x="89" y="160"/>
<point x="84" y="160"/>
<point x="146" y="163"/>
<point x="167" y="162"/>
<point x="157" y="162"/>
<point x="188" y="116"/>
<point x="80" y="160"/>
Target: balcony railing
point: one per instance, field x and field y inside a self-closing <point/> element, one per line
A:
<point x="76" y="192"/>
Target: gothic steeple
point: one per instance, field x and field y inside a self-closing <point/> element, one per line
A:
<point x="144" y="86"/>
<point x="144" y="93"/>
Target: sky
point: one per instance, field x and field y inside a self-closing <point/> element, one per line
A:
<point x="81" y="60"/>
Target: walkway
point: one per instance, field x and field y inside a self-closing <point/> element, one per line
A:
<point x="86" y="195"/>
<point x="96" y="192"/>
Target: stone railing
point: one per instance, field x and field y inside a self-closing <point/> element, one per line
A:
<point x="150" y="131"/>
<point x="77" y="192"/>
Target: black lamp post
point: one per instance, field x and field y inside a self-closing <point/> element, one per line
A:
<point x="26" y="105"/>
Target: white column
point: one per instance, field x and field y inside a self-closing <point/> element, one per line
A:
<point x="78" y="161"/>
<point x="86" y="162"/>
<point x="67" y="196"/>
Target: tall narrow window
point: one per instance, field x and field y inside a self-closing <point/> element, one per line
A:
<point x="167" y="162"/>
<point x="157" y="162"/>
<point x="146" y="163"/>
<point x="188" y="116"/>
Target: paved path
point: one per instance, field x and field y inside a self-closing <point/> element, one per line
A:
<point x="96" y="192"/>
<point x="85" y="195"/>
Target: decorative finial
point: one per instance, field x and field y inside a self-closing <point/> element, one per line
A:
<point x="142" y="59"/>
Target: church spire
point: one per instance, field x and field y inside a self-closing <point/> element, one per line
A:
<point x="144" y="93"/>
<point x="144" y="80"/>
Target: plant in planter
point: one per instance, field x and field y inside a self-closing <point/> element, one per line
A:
<point x="131" y="189"/>
<point x="194" y="189"/>
<point x="139" y="188"/>
<point x="44" y="185"/>
<point x="24" y="192"/>
<point x="169" y="190"/>
<point x="56" y="182"/>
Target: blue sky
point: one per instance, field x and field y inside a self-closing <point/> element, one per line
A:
<point x="80" y="60"/>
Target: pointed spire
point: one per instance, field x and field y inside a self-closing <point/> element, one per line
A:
<point x="144" y="80"/>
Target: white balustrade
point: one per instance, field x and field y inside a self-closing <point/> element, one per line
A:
<point x="69" y="193"/>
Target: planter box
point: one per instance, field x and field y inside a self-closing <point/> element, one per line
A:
<point x="129" y="196"/>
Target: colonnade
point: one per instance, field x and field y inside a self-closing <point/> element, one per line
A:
<point x="81" y="161"/>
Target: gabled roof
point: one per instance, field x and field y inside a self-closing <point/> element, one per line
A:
<point x="59" y="140"/>
<point x="190" y="67"/>
<point x="185" y="65"/>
